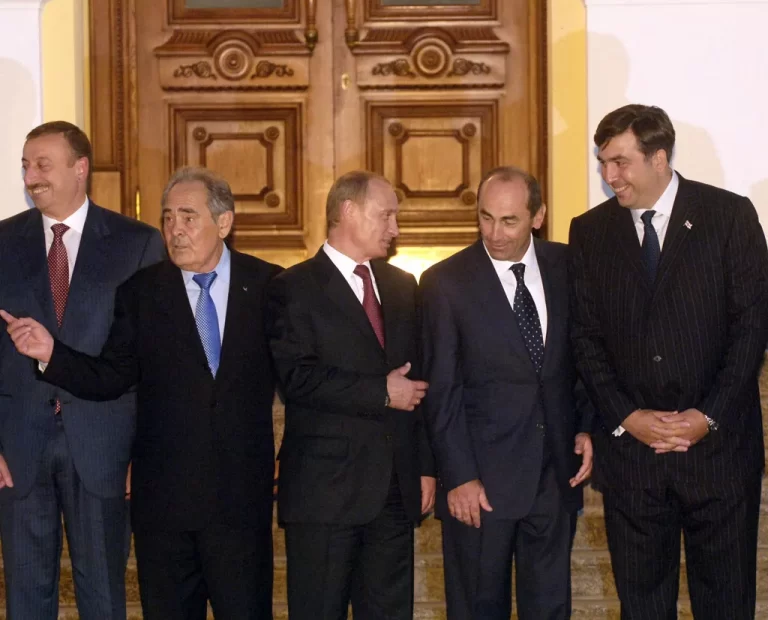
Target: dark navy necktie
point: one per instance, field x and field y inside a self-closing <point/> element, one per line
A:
<point x="650" y="246"/>
<point x="528" y="318"/>
<point x="207" y="320"/>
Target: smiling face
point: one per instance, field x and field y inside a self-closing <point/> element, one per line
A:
<point x="373" y="224"/>
<point x="195" y="240"/>
<point x="638" y="181"/>
<point x="505" y="220"/>
<point x="54" y="177"/>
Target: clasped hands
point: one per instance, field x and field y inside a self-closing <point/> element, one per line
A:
<point x="667" y="431"/>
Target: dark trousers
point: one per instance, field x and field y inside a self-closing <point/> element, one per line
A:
<point x="179" y="572"/>
<point x="719" y="527"/>
<point x="98" y="538"/>
<point x="370" y="565"/>
<point x="478" y="561"/>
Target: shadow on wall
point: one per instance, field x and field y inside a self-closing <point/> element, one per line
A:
<point x="695" y="154"/>
<point x="17" y="118"/>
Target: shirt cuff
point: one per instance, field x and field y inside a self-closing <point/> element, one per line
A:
<point x="42" y="366"/>
<point x="619" y="431"/>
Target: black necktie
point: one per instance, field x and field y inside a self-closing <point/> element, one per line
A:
<point x="650" y="245"/>
<point x="528" y="318"/>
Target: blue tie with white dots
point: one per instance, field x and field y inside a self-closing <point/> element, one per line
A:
<point x="528" y="318"/>
<point x="207" y="320"/>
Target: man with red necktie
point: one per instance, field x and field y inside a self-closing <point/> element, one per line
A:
<point x="356" y="470"/>
<point x="59" y="455"/>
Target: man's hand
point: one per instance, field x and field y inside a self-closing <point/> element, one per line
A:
<point x="29" y="337"/>
<point x="650" y="426"/>
<point x="466" y="500"/>
<point x="428" y="487"/>
<point x="128" y="482"/>
<point x="583" y="446"/>
<point x="403" y="393"/>
<point x="5" y="474"/>
<point x="693" y="428"/>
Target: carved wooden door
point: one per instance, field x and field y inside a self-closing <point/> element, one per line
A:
<point x="283" y="96"/>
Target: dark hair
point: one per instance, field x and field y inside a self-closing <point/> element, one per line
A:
<point x="511" y="173"/>
<point x="75" y="137"/>
<point x="650" y="125"/>
<point x="220" y="198"/>
<point x="350" y="186"/>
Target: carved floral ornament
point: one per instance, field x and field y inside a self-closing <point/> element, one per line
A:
<point x="430" y="60"/>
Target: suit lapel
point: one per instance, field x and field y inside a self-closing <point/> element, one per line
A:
<point x="339" y="292"/>
<point x="237" y="315"/>
<point x="393" y="307"/>
<point x="556" y="299"/>
<point x="683" y="215"/>
<point x="35" y="264"/>
<point x="628" y="244"/>
<point x="487" y="290"/>
<point x="171" y="296"/>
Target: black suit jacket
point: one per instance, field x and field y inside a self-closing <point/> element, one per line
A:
<point x="340" y="440"/>
<point x="485" y="398"/>
<point x="112" y="248"/>
<point x="204" y="447"/>
<point x="693" y="338"/>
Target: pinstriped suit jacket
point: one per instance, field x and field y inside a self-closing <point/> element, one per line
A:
<point x="693" y="338"/>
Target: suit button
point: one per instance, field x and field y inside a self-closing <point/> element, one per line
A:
<point x="52" y="402"/>
<point x="657" y="359"/>
<point x="214" y="402"/>
<point x="388" y="436"/>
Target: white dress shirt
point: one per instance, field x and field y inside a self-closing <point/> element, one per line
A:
<point x="347" y="267"/>
<point x="71" y="238"/>
<point x="660" y="222"/>
<point x="663" y="208"/>
<point x="219" y="289"/>
<point x="533" y="282"/>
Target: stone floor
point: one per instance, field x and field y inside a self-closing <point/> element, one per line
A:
<point x="594" y="593"/>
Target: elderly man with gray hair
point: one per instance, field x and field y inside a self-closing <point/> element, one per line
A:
<point x="189" y="334"/>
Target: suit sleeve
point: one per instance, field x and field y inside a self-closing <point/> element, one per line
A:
<point x="111" y="373"/>
<point x="746" y="277"/>
<point x="593" y="362"/>
<point x="443" y="406"/>
<point x="426" y="456"/>
<point x="305" y="379"/>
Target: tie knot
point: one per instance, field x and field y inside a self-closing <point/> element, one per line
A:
<point x="204" y="280"/>
<point x="363" y="272"/>
<point x="519" y="270"/>
<point x="59" y="230"/>
<point x="647" y="217"/>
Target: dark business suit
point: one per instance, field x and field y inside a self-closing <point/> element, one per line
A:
<point x="346" y="459"/>
<point x="692" y="338"/>
<point x="84" y="451"/>
<point x="203" y="459"/>
<point x="492" y="417"/>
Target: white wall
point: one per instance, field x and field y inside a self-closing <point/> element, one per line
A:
<point x="21" y="101"/>
<point x="706" y="64"/>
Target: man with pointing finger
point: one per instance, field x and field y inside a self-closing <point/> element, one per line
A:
<point x="356" y="470"/>
<point x="511" y="443"/>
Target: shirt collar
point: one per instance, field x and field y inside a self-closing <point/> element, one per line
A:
<point x="76" y="221"/>
<point x="665" y="202"/>
<point x="343" y="262"/>
<point x="221" y="269"/>
<point x="529" y="260"/>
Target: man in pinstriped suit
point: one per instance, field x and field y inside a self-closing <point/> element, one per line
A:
<point x="669" y="295"/>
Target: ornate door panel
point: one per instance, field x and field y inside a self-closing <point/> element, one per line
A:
<point x="283" y="96"/>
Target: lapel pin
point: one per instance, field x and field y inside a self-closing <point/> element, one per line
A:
<point x="688" y="225"/>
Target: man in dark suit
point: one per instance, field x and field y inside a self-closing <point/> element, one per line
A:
<point x="356" y="471"/>
<point x="670" y="290"/>
<point x="189" y="334"/>
<point x="501" y="410"/>
<point x="59" y="455"/>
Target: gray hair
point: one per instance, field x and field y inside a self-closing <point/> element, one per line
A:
<point x="512" y="173"/>
<point x="220" y="197"/>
